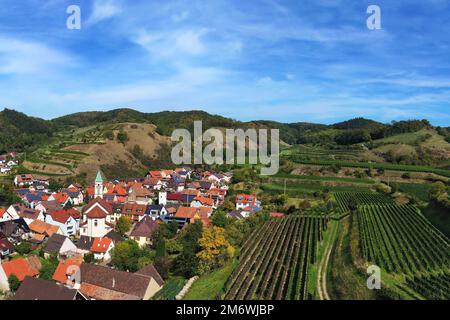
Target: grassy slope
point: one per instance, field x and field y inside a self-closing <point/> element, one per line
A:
<point x="209" y="286"/>
<point x="345" y="282"/>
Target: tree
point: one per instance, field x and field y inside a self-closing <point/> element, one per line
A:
<point x="220" y="219"/>
<point x="186" y="264"/>
<point x="173" y="246"/>
<point x="123" y="225"/>
<point x="162" y="265"/>
<point x="54" y="185"/>
<point x="23" y="248"/>
<point x="125" y="255"/>
<point x="89" y="257"/>
<point x="160" y="247"/>
<point x="191" y="234"/>
<point x="172" y="228"/>
<point x="7" y="195"/>
<point x="14" y="283"/>
<point x="128" y="256"/>
<point x="122" y="137"/>
<point x="215" y="249"/>
<point x="48" y="267"/>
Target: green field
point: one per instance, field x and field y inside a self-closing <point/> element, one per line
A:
<point x="211" y="286"/>
<point x="385" y="166"/>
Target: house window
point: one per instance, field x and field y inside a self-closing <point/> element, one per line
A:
<point x="95" y="223"/>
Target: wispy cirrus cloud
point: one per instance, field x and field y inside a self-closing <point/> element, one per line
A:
<point x="103" y="10"/>
<point x="22" y="57"/>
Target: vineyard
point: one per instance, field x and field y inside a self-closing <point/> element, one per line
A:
<point x="346" y="199"/>
<point x="434" y="287"/>
<point x="274" y="260"/>
<point x="400" y="240"/>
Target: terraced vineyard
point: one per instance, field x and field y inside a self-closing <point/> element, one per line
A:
<point x="344" y="199"/>
<point x="400" y="240"/>
<point x="275" y="259"/>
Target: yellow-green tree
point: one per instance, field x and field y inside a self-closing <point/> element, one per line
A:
<point x="215" y="249"/>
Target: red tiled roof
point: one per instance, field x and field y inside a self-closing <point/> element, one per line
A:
<point x="96" y="213"/>
<point x="98" y="201"/>
<point x="61" y="197"/>
<point x="277" y="214"/>
<point x="66" y="268"/>
<point x="20" y="267"/>
<point x="155" y="174"/>
<point x="134" y="209"/>
<point x="246" y="198"/>
<point x="60" y="216"/>
<point x="101" y="245"/>
<point x="204" y="201"/>
<point x="2" y="212"/>
<point x="191" y="212"/>
<point x="175" y="196"/>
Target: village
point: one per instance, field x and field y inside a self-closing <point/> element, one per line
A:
<point x="76" y="229"/>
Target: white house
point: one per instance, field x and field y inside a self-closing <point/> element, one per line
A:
<point x="6" y="215"/>
<point x="75" y="195"/>
<point x="203" y="202"/>
<point x="64" y="220"/>
<point x="5" y="170"/>
<point x="23" y="180"/>
<point x="59" y="244"/>
<point x="29" y="215"/>
<point x="101" y="248"/>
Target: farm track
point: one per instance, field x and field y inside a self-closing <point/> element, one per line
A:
<point x="323" y="266"/>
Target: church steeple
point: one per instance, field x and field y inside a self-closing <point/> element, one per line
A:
<point x="98" y="185"/>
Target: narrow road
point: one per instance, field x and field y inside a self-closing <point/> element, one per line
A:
<point x="323" y="266"/>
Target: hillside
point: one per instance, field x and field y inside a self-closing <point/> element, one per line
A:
<point x="80" y="143"/>
<point x="18" y="131"/>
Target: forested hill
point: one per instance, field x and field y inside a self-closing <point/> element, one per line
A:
<point x="19" y="131"/>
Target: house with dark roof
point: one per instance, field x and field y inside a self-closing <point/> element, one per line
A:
<point x="150" y="271"/>
<point x="59" y="244"/>
<point x="38" y="289"/>
<point x="84" y="244"/>
<point x="48" y="206"/>
<point x="102" y="283"/>
<point x="6" y="247"/>
<point x="15" y="230"/>
<point x="143" y="231"/>
<point x="114" y="236"/>
<point x="28" y="214"/>
<point x="155" y="211"/>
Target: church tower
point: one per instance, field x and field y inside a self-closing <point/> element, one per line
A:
<point x="98" y="185"/>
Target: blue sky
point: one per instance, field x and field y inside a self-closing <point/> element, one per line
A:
<point x="262" y="59"/>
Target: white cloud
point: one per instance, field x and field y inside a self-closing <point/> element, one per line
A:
<point x="27" y="57"/>
<point x="173" y="43"/>
<point x="179" y="17"/>
<point x="103" y="9"/>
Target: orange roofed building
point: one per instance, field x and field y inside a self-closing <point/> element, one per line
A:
<point x="21" y="268"/>
<point x="193" y="214"/>
<point x="66" y="269"/>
